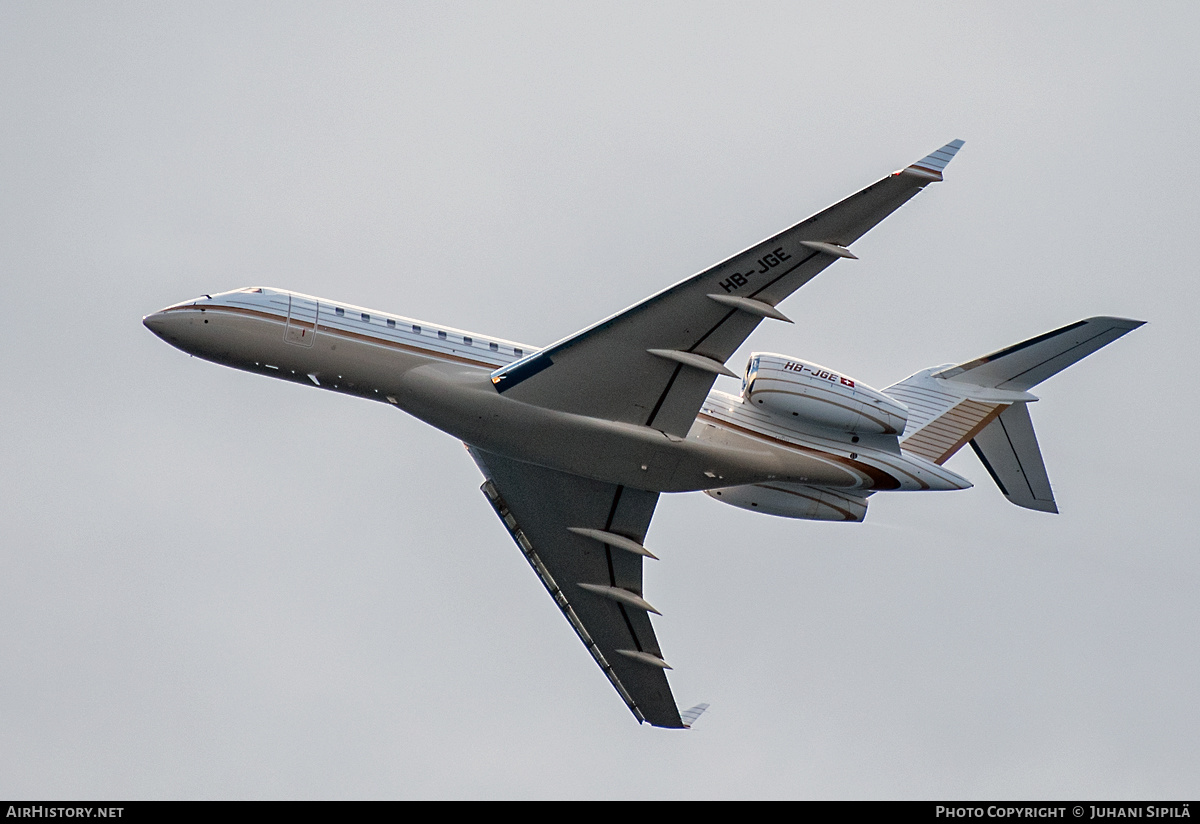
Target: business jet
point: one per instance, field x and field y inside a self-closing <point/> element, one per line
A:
<point x="577" y="440"/>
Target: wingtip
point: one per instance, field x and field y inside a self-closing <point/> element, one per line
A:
<point x="690" y="715"/>
<point x="1127" y="324"/>
<point x="932" y="165"/>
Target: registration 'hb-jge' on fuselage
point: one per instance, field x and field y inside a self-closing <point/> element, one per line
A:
<point x="576" y="440"/>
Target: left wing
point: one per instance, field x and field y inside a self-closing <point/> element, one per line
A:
<point x="653" y="364"/>
<point x="584" y="538"/>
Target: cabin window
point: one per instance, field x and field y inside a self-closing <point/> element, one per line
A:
<point x="442" y="335"/>
<point x="339" y="311"/>
<point x="391" y="324"/>
<point x="518" y="352"/>
<point x="466" y="340"/>
<point x="416" y="329"/>
<point x="366" y="318"/>
<point x="495" y="347"/>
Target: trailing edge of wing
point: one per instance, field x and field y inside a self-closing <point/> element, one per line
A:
<point x="580" y="537"/>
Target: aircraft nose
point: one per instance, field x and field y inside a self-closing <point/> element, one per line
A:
<point x="168" y="325"/>
<point x="180" y="325"/>
<point x="155" y="322"/>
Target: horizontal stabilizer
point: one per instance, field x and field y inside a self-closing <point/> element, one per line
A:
<point x="983" y="402"/>
<point x="1026" y="364"/>
<point x="1009" y="451"/>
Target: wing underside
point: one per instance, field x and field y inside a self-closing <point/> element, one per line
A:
<point x="583" y="539"/>
<point x="654" y="363"/>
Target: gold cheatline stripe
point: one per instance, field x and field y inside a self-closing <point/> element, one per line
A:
<point x="987" y="419"/>
<point x="873" y="473"/>
<point x="793" y="445"/>
<point x="849" y="516"/>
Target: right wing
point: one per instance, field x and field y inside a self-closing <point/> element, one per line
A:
<point x="583" y="539"/>
<point x="654" y="363"/>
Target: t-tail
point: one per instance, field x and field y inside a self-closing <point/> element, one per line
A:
<point x="984" y="402"/>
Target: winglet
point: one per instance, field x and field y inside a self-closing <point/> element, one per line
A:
<point x="932" y="165"/>
<point x="689" y="716"/>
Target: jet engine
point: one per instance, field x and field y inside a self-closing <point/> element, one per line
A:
<point x="794" y="501"/>
<point x="791" y="388"/>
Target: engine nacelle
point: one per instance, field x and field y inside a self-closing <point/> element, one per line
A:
<point x="792" y="388"/>
<point x="793" y="501"/>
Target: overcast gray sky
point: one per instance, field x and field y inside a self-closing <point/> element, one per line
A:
<point x="217" y="585"/>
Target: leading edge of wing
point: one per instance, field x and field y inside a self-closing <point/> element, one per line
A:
<point x="924" y="171"/>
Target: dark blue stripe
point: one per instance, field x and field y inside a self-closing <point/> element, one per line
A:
<point x="512" y="376"/>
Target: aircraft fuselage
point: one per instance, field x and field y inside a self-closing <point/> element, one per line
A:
<point x="443" y="377"/>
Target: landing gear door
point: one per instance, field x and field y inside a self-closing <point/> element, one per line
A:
<point x="303" y="314"/>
